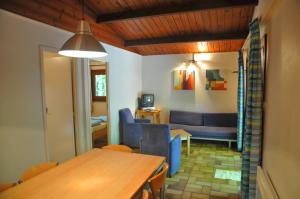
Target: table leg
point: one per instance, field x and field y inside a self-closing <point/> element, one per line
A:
<point x="157" y="118"/>
<point x="188" y="142"/>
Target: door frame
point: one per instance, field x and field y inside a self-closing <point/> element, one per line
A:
<point x="106" y="63"/>
<point x="42" y="49"/>
<point x="82" y="101"/>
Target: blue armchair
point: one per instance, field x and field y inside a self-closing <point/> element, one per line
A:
<point x="156" y="140"/>
<point x="130" y="128"/>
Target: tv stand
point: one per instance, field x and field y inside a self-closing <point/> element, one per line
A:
<point x="154" y="113"/>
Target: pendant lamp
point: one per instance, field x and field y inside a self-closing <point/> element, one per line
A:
<point x="83" y="44"/>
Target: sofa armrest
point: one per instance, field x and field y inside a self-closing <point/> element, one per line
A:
<point x="145" y="121"/>
<point x="174" y="161"/>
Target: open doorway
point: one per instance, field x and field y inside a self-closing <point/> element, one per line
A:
<point x="56" y="76"/>
<point x="99" y="107"/>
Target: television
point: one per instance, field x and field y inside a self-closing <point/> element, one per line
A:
<point x="147" y="100"/>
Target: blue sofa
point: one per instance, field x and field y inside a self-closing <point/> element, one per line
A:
<point x="130" y="128"/>
<point x="206" y="126"/>
<point x="156" y="140"/>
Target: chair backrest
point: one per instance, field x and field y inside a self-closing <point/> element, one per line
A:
<point x="125" y="117"/>
<point x="36" y="170"/>
<point x="158" y="181"/>
<point x="120" y="148"/>
<point x="6" y="186"/>
<point x="145" y="194"/>
<point x="155" y="139"/>
<point x="186" y="117"/>
<point x="203" y="119"/>
<point x="220" y="119"/>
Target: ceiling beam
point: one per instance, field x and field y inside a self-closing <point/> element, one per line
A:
<point x="186" y="38"/>
<point x="177" y="8"/>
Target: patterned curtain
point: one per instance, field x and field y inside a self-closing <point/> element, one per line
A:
<point x="241" y="101"/>
<point x="253" y="119"/>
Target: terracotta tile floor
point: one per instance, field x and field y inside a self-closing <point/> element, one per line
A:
<point x="196" y="177"/>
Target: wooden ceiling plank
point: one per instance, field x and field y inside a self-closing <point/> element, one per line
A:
<point x="133" y="30"/>
<point x="184" y="20"/>
<point x="221" y="20"/>
<point x="213" y="15"/>
<point x="147" y="28"/>
<point x="179" y="25"/>
<point x="163" y="23"/>
<point x="171" y="22"/>
<point x="156" y="29"/>
<point x="185" y="7"/>
<point x="121" y="30"/>
<point x="207" y="21"/>
<point x="242" y="18"/>
<point x="142" y="28"/>
<point x="200" y="22"/>
<point x="236" y="19"/>
<point x="194" y="24"/>
<point x="228" y="19"/>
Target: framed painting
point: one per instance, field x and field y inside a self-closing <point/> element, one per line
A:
<point x="184" y="80"/>
<point x="214" y="81"/>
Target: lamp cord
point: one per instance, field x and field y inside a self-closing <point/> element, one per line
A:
<point x="82" y="10"/>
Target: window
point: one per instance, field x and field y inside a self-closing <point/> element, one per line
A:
<point x="98" y="78"/>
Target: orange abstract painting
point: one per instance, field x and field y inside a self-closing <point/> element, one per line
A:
<point x="184" y="80"/>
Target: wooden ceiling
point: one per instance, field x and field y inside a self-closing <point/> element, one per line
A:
<point x="150" y="27"/>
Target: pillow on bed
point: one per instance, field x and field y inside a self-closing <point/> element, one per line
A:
<point x="95" y="122"/>
<point x="102" y="118"/>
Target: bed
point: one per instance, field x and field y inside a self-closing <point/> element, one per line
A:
<point x="99" y="127"/>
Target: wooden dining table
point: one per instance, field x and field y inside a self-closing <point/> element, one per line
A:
<point x="100" y="173"/>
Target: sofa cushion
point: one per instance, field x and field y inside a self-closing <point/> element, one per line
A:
<point x="185" y="117"/>
<point x="209" y="132"/>
<point x="220" y="119"/>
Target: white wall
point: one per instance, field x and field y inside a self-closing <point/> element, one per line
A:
<point x="21" y="114"/>
<point x="99" y="108"/>
<point x="281" y="158"/>
<point x="124" y="74"/>
<point x="157" y="72"/>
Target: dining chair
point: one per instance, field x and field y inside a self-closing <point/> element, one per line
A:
<point x="5" y="186"/>
<point x="116" y="147"/>
<point x="157" y="182"/>
<point x="36" y="170"/>
<point x="145" y="194"/>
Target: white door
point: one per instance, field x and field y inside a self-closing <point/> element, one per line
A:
<point x="59" y="103"/>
